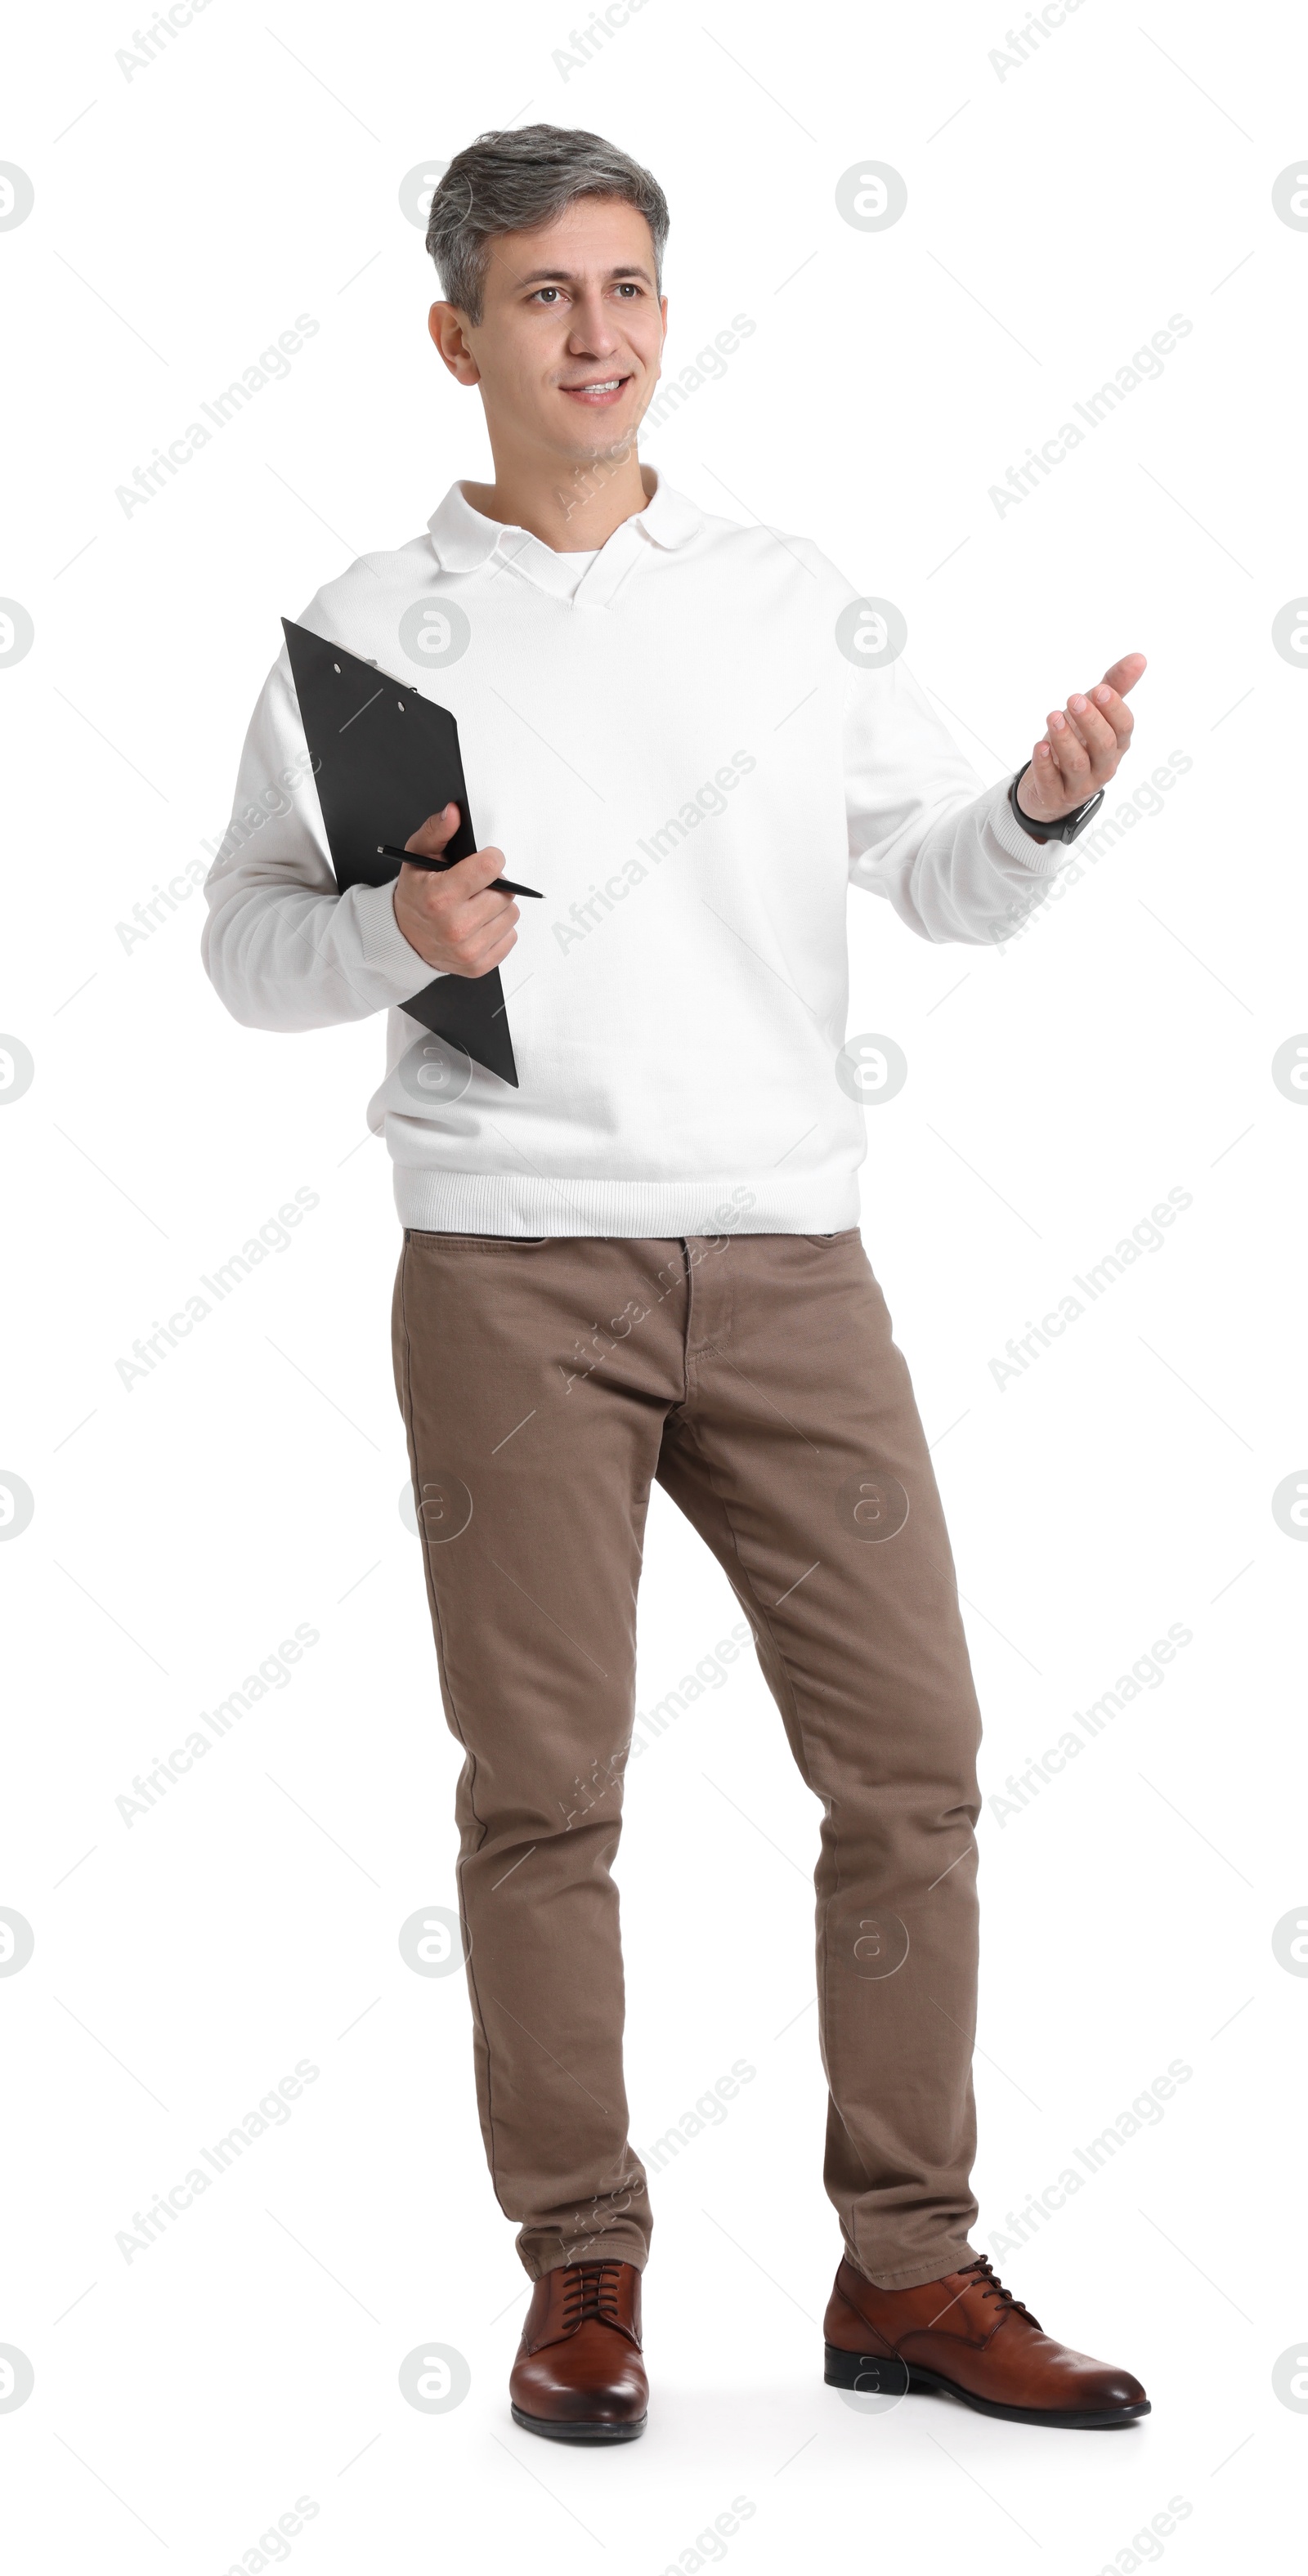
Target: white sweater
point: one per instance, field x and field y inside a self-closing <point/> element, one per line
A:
<point x="681" y="757"/>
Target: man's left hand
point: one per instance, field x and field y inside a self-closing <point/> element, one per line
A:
<point x="1082" y="747"/>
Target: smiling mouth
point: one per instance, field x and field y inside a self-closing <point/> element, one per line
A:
<point x="597" y="389"/>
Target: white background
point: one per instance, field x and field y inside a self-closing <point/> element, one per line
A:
<point x="1057" y="216"/>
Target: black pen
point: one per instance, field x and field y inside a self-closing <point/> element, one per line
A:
<point x="498" y="885"/>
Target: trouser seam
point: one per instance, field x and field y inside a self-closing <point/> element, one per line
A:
<point x="469" y="1755"/>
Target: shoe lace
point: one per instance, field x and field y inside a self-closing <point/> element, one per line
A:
<point x="590" y="2290"/>
<point x="993" y="2288"/>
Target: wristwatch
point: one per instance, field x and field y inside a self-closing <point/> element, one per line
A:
<point x="1068" y="825"/>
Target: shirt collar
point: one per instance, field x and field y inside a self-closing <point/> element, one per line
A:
<point x="462" y="537"/>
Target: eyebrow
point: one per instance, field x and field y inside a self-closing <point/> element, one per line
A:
<point x="572" y="277"/>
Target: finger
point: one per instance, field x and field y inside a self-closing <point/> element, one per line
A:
<point x="486" y="912"/>
<point x="446" y="893"/>
<point x="1070" y="756"/>
<point x="497" y="952"/>
<point x="1124" y="674"/>
<point x="465" y="896"/>
<point x="470" y="949"/>
<point x="1041" y="792"/>
<point x="479" y="869"/>
<point x="485" y="959"/>
<point x="430" y="838"/>
<point x="1115" y="712"/>
<point x="1094" y="733"/>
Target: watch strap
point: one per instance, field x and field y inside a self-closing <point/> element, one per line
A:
<point x="1067" y="826"/>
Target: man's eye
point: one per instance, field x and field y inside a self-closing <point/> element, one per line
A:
<point x="547" y="290"/>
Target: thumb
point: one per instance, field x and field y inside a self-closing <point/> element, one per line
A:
<point x="430" y="838"/>
<point x="1124" y="674"/>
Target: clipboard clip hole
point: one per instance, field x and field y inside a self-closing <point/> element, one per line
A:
<point x="336" y="666"/>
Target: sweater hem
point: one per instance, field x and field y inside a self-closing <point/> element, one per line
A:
<point x="534" y="1204"/>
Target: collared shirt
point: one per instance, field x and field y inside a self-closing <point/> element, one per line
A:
<point x="463" y="539"/>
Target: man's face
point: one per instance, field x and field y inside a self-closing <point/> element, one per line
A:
<point x="568" y="347"/>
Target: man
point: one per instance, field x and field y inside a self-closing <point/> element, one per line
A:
<point x="645" y="1260"/>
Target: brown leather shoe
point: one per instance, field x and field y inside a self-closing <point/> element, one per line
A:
<point x="968" y="2336"/>
<point x="579" y="2376"/>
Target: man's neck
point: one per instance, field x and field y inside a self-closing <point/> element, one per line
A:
<point x="572" y="507"/>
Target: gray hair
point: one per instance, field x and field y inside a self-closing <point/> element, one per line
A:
<point x="520" y="177"/>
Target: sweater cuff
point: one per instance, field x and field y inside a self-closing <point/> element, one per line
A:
<point x="386" y="951"/>
<point x="1043" y="858"/>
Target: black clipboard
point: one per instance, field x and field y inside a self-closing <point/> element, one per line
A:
<point x="384" y="758"/>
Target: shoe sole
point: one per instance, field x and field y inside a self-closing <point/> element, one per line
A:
<point x="578" y="2431"/>
<point x="880" y="2374"/>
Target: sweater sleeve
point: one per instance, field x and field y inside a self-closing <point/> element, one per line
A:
<point x="282" y="949"/>
<point x="945" y="851"/>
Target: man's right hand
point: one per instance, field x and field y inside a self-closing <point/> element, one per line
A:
<point x="456" y="924"/>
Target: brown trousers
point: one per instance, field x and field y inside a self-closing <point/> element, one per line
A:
<point x="543" y="1384"/>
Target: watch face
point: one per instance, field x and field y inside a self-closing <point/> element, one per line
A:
<point x="1074" y="823"/>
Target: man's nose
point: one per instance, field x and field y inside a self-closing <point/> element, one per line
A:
<point x="592" y="327"/>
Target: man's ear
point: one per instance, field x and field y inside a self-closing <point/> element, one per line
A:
<point x="447" y="326"/>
